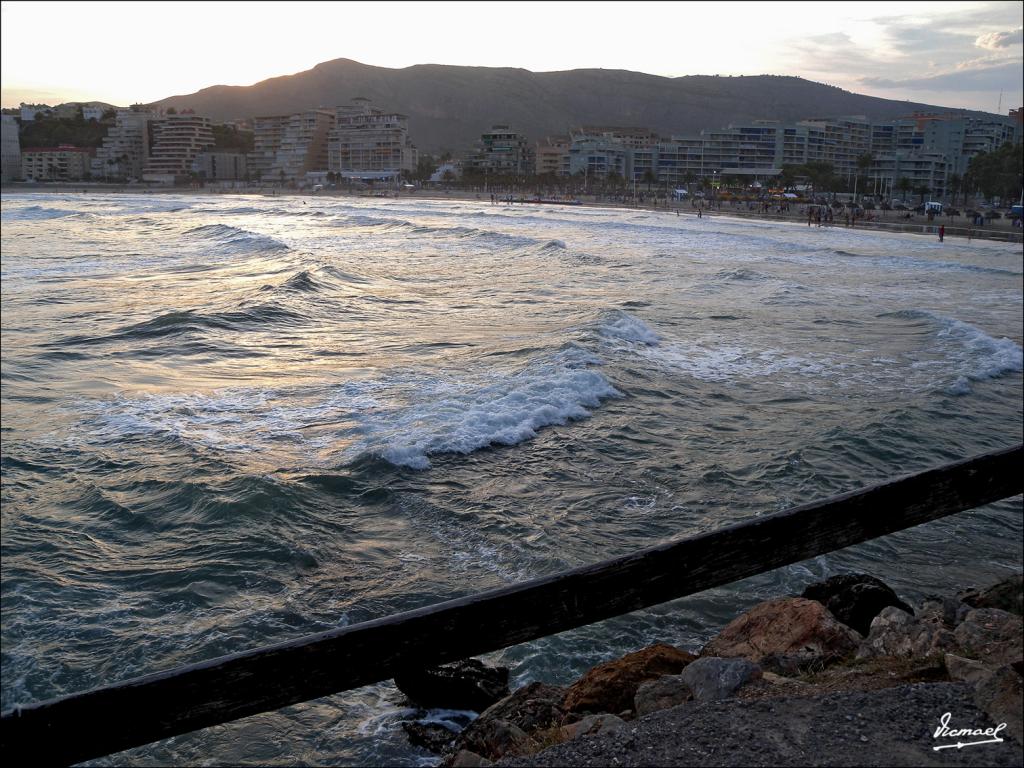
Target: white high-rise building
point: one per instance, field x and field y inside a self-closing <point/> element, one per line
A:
<point x="370" y="143"/>
<point x="125" y="147"/>
<point x="177" y="141"/>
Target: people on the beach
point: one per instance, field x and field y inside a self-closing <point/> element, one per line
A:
<point x="942" y="232"/>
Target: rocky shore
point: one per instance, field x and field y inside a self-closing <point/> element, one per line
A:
<point x="847" y="673"/>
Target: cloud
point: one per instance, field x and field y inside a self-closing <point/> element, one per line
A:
<point x="972" y="78"/>
<point x="993" y="41"/>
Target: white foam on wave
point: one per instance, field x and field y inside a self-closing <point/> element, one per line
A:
<point x="626" y="327"/>
<point x="966" y="353"/>
<point x="404" y="418"/>
<point x="724" y="361"/>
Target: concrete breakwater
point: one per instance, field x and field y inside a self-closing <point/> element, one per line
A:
<point x="844" y="674"/>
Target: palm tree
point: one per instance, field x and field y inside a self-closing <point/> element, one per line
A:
<point x="864" y="163"/>
<point x="649" y="177"/>
<point x="922" y="190"/>
<point x="904" y="185"/>
<point x="954" y="183"/>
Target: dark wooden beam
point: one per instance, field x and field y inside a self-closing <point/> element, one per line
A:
<point x="123" y="715"/>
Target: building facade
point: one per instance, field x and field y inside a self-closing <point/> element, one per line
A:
<point x="177" y="141"/>
<point x="287" y="147"/>
<point x="502" y="151"/>
<point x="551" y="156"/>
<point x="11" y="149"/>
<point x="125" y="147"/>
<point x="220" y="166"/>
<point x="368" y="143"/>
<point x="62" y="163"/>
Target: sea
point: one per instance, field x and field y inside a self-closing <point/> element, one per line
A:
<point x="234" y="420"/>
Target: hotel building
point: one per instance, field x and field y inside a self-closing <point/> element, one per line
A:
<point x="125" y="147"/>
<point x="62" y="163"/>
<point x="368" y="143"/>
<point x="177" y="140"/>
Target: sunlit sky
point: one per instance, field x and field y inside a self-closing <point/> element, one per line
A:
<point x="955" y="54"/>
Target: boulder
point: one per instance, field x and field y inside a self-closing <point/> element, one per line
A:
<point x="945" y="610"/>
<point x="467" y="684"/>
<point x="712" y="678"/>
<point x="495" y="738"/>
<point x="992" y="636"/>
<point x="789" y="633"/>
<point x="855" y="599"/>
<point x="592" y="725"/>
<point x="430" y="736"/>
<point x="663" y="693"/>
<point x="1000" y="695"/>
<point x="532" y="708"/>
<point x="466" y="759"/>
<point x="1007" y="595"/>
<point x="612" y="686"/>
<point x="965" y="670"/>
<point x="897" y="633"/>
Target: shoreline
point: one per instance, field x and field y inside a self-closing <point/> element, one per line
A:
<point x="1004" y="232"/>
<point x="847" y="673"/>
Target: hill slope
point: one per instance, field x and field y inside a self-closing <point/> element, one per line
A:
<point x="449" y="106"/>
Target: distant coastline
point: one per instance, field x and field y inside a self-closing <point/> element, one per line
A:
<point x="1000" y="230"/>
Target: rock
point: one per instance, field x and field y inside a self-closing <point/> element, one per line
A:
<point x="712" y="678"/>
<point x="592" y="725"/>
<point x="466" y="759"/>
<point x="466" y="684"/>
<point x="793" y="631"/>
<point x="965" y="670"/>
<point x="665" y="692"/>
<point x="1007" y="595"/>
<point x="992" y="636"/>
<point x="1000" y="695"/>
<point x="495" y="738"/>
<point x="430" y="736"/>
<point x="947" y="610"/>
<point x="612" y="686"/>
<point x="855" y="599"/>
<point x="897" y="633"/>
<point x="532" y="708"/>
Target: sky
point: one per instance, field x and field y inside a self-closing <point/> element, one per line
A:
<point x="953" y="54"/>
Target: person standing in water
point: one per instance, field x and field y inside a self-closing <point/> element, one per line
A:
<point x="942" y="232"/>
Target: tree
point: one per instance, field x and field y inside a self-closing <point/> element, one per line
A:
<point x="997" y="174"/>
<point x="649" y="178"/>
<point x="172" y="111"/>
<point x="922" y="190"/>
<point x="954" y="183"/>
<point x="904" y="185"/>
<point x="864" y="163"/>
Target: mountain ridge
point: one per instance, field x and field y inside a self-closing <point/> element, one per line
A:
<point x="449" y="106"/>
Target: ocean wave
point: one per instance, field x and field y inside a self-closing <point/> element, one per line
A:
<point x="229" y="239"/>
<point x="960" y="351"/>
<point x="40" y="213"/>
<point x="623" y="326"/>
<point x="403" y="419"/>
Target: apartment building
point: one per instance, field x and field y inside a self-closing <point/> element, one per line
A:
<point x="287" y="147"/>
<point x="62" y="163"/>
<point x="597" y="158"/>
<point x="125" y="147"/>
<point x="177" y="141"/>
<point x="502" y="151"/>
<point x="220" y="166"/>
<point x="268" y="131"/>
<point x="552" y="156"/>
<point x="368" y="143"/>
<point x="11" y="149"/>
